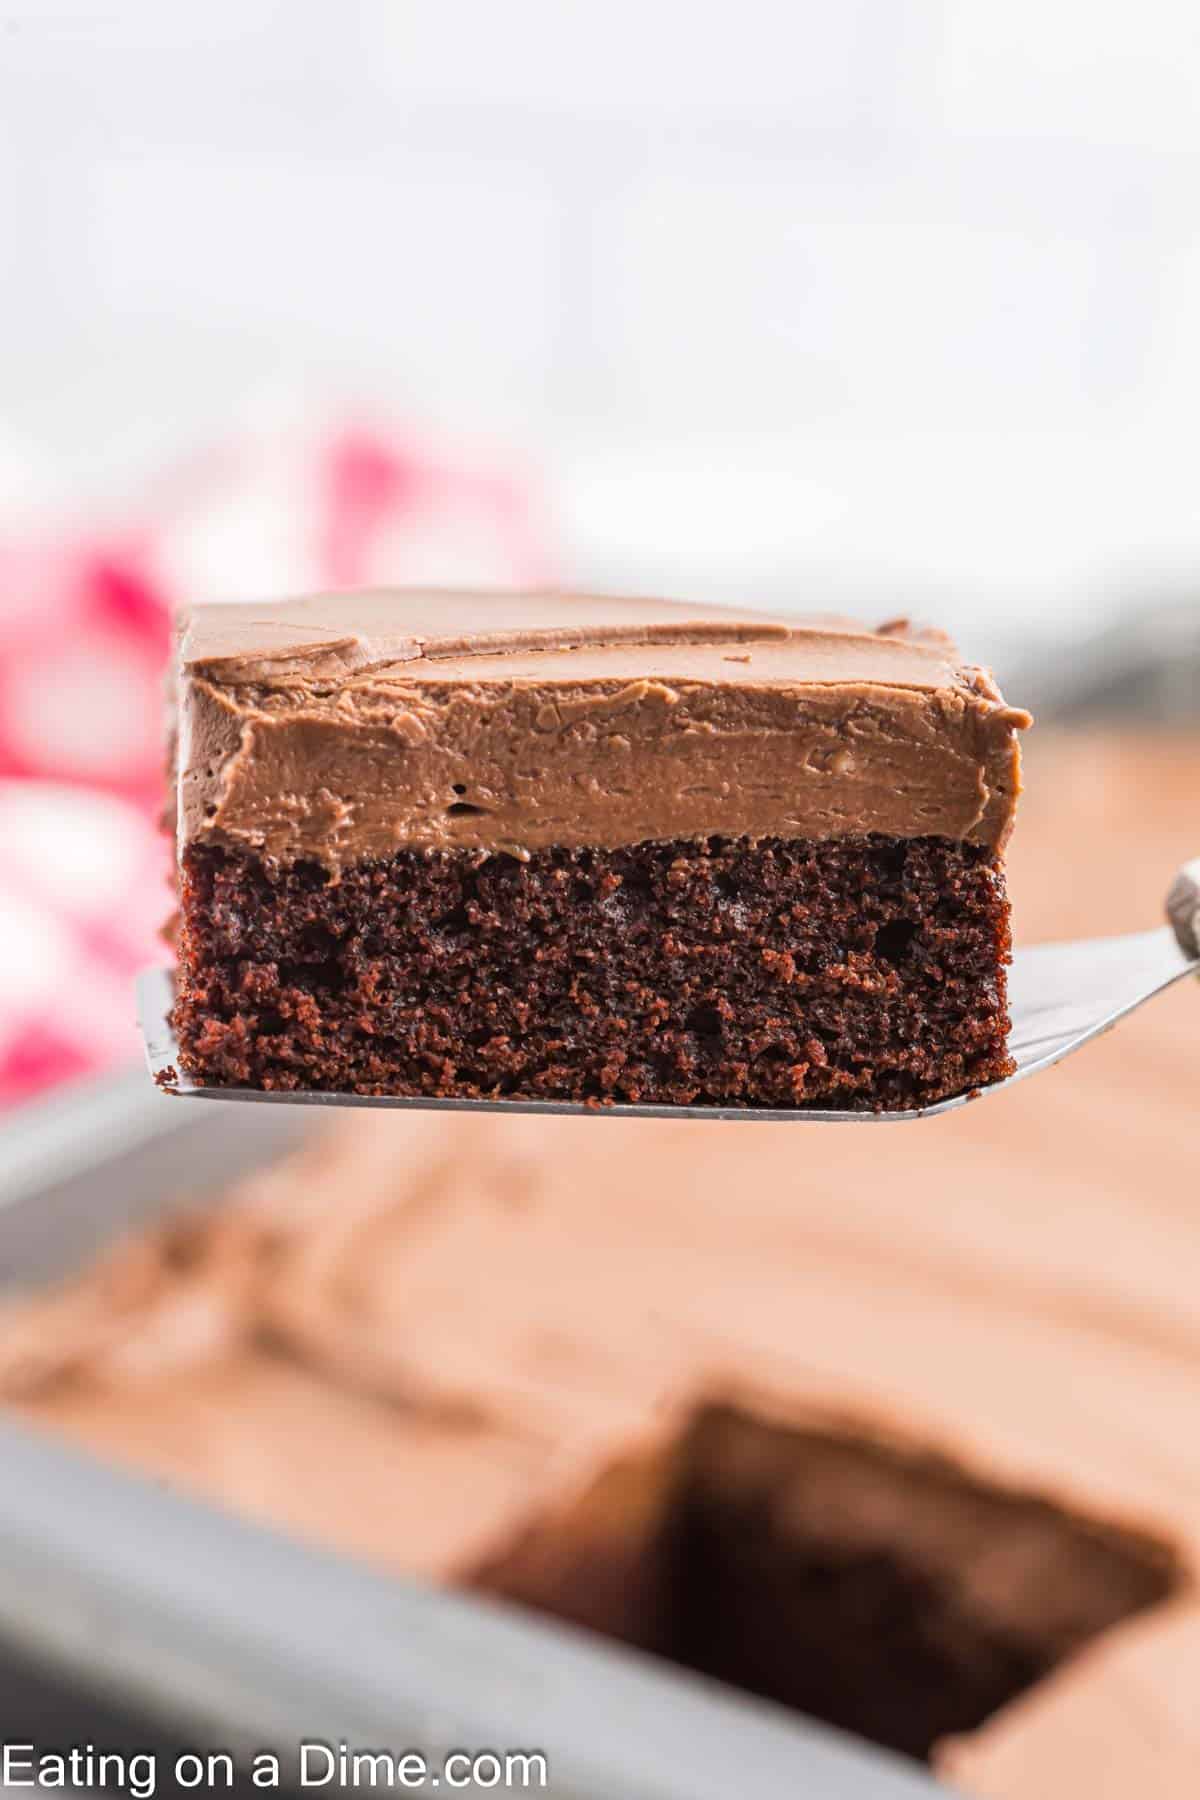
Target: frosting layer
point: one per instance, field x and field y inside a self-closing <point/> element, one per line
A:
<point x="350" y="726"/>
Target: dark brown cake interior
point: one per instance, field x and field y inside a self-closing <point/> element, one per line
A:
<point x="866" y="972"/>
<point x="876" y="1588"/>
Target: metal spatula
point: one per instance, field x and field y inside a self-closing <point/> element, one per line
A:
<point x="1060" y="995"/>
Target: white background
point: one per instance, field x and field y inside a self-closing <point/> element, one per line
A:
<point x="891" y="302"/>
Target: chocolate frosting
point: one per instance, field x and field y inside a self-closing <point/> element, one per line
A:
<point x="351" y="726"/>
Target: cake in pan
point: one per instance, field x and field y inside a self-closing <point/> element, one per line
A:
<point x="910" y="1445"/>
<point x="568" y="848"/>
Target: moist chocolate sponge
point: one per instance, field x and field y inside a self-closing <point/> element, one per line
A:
<point x="862" y="972"/>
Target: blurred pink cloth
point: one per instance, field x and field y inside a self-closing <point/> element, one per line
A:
<point x="85" y="625"/>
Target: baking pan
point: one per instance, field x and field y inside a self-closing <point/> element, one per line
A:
<point x="236" y="1638"/>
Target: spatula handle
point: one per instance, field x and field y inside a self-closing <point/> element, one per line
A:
<point x="1183" y="907"/>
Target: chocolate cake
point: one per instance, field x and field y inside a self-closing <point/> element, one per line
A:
<point x="554" y="847"/>
<point x="881" y="1588"/>
<point x="860" y="1580"/>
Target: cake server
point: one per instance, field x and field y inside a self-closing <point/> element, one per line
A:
<point x="1060" y="997"/>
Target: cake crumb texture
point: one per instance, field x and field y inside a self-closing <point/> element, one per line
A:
<point x="864" y="973"/>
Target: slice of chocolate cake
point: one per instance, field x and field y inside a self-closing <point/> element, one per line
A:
<point x="554" y="847"/>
